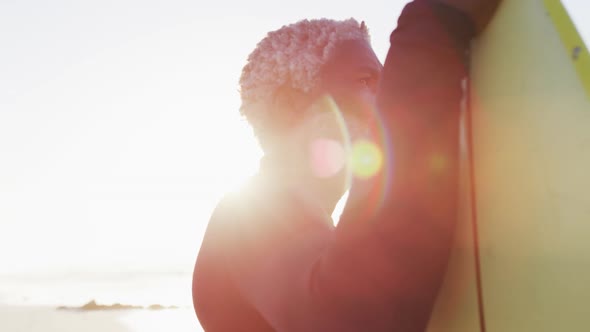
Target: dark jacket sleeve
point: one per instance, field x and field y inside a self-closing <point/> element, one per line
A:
<point x="382" y="267"/>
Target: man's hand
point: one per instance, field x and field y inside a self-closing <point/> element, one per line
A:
<point x="480" y="11"/>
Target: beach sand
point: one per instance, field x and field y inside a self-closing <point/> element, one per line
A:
<point x="49" y="319"/>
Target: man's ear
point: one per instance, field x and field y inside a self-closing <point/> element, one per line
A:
<point x="293" y="101"/>
<point x="295" y="108"/>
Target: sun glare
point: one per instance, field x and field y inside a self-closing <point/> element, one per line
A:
<point x="237" y="160"/>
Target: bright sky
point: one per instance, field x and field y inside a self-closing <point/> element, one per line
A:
<point x="119" y="123"/>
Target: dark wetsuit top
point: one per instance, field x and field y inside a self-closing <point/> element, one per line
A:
<point x="269" y="262"/>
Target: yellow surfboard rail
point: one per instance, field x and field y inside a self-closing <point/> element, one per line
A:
<point x="571" y="39"/>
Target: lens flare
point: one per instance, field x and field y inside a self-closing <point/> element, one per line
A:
<point x="355" y="154"/>
<point x="366" y="159"/>
<point x="327" y="157"/>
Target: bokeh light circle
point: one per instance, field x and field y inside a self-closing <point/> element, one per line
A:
<point x="366" y="159"/>
<point x="327" y="157"/>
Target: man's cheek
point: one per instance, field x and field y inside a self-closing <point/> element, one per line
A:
<point x="361" y="104"/>
<point x="357" y="129"/>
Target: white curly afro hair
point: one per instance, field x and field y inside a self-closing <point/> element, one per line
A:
<point x="284" y="68"/>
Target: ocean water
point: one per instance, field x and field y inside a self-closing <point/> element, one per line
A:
<point x="139" y="289"/>
<point x="28" y="303"/>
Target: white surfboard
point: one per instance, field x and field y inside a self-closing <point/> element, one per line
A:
<point x="522" y="260"/>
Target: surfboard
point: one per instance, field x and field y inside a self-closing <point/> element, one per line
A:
<point x="522" y="255"/>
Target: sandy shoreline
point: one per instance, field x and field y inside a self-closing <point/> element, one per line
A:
<point x="50" y="319"/>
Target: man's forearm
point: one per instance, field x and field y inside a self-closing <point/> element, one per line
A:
<point x="402" y="245"/>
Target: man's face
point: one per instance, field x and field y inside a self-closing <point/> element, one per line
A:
<point x="351" y="79"/>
